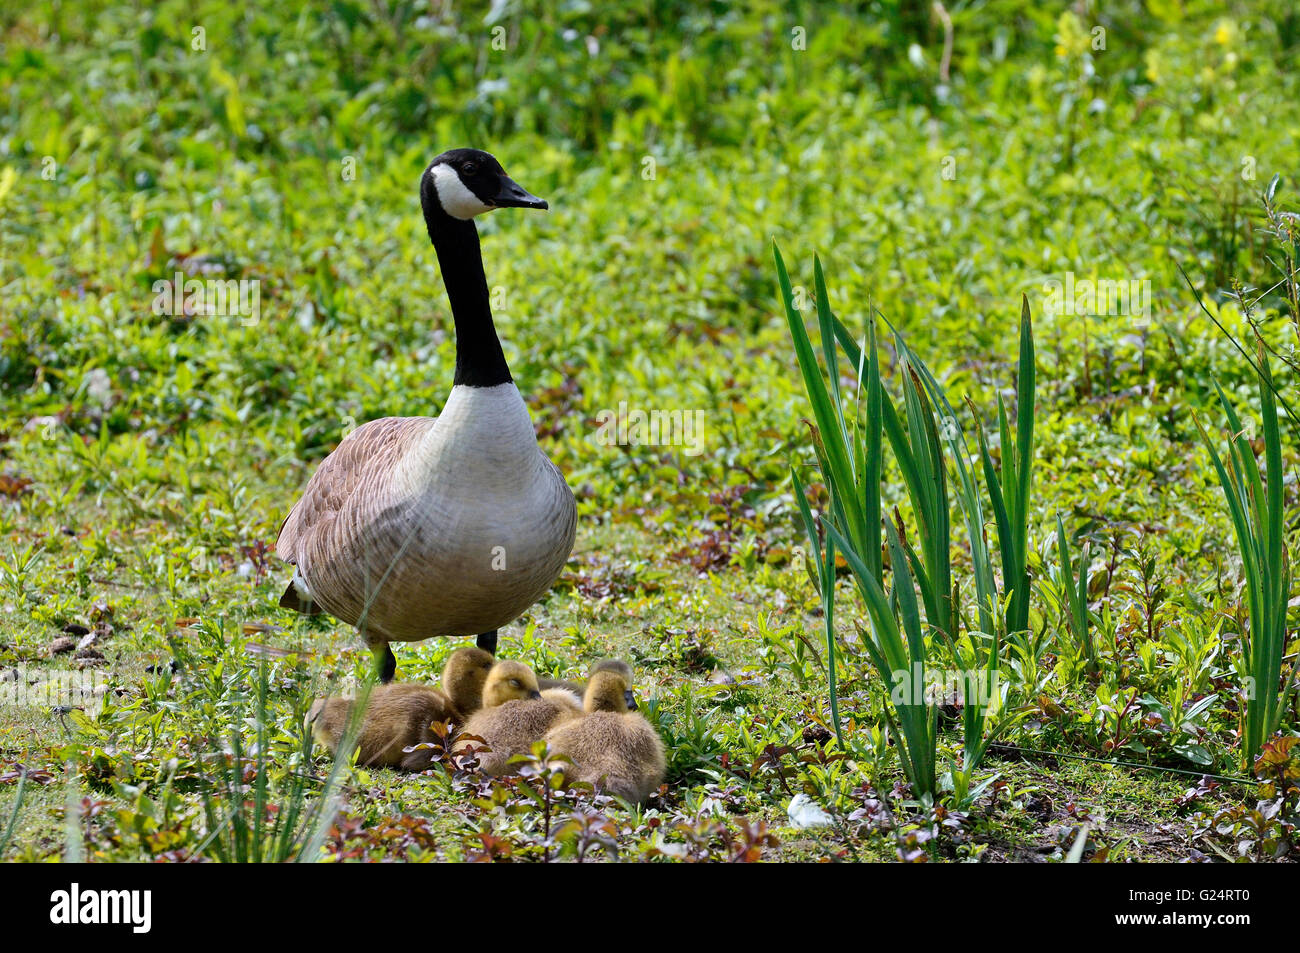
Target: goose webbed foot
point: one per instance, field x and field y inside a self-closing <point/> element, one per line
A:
<point x="488" y="641"/>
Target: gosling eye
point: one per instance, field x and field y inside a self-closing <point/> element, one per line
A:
<point x="514" y="683"/>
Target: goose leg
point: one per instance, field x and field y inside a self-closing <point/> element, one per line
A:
<point x="385" y="662"/>
<point x="488" y="641"/>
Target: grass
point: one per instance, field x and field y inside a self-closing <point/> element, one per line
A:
<point x="147" y="459"/>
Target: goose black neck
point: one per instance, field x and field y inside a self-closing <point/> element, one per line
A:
<point x="480" y="362"/>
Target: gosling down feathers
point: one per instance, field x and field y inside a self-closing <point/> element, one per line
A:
<point x="612" y="748"/>
<point x="399" y="715"/>
<point x="515" y="714"/>
<point x="452" y="525"/>
<point x="579" y="689"/>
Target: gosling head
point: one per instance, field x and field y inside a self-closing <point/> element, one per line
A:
<point x="613" y="665"/>
<point x="509" y="681"/>
<point x="463" y="183"/>
<point x="314" y="712"/>
<point x="608" y="690"/>
<point x="464" y="675"/>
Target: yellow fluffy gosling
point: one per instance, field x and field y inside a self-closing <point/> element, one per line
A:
<point x="515" y="714"/>
<point x="398" y="715"/>
<point x="611" y="747"/>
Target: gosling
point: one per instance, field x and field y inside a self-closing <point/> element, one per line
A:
<point x="399" y="715"/>
<point x="611" y="747"/>
<point x="515" y="714"/>
<point x="579" y="689"/>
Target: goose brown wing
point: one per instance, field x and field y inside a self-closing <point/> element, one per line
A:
<point x="359" y="466"/>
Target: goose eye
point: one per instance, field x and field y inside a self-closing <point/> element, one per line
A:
<point x="469" y="168"/>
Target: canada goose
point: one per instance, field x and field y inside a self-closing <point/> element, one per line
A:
<point x="610" y="746"/>
<point x="515" y="714"/>
<point x="438" y="526"/>
<point x="398" y="715"/>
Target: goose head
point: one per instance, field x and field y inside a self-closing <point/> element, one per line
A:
<point x="463" y="183"/>
<point x="464" y="675"/>
<point x="509" y="681"/>
<point x="609" y="690"/>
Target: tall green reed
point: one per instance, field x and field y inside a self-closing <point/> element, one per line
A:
<point x="1256" y="506"/>
<point x="1009" y="485"/>
<point x="978" y="650"/>
<point x="925" y="438"/>
<point x="849" y="455"/>
<point x="1073" y="597"/>
<point x="1258" y="518"/>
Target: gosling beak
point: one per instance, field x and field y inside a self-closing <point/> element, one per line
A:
<point x="630" y="699"/>
<point x="513" y="195"/>
<point x="534" y="694"/>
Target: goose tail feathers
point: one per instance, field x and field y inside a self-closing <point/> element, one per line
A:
<point x="294" y="599"/>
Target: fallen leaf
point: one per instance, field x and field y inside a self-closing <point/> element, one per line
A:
<point x="14" y="486"/>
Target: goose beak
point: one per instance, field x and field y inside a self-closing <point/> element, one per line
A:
<point x="630" y="699"/>
<point x="513" y="195"/>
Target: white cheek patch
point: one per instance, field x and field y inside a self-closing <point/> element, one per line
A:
<point x="456" y="200"/>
